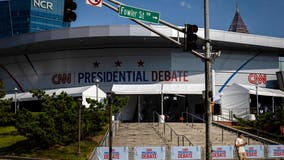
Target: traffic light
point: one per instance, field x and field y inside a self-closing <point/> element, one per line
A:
<point x="69" y="15"/>
<point x="190" y="37"/>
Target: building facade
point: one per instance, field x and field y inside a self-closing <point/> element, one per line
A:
<point x="131" y="55"/>
<point x="18" y="17"/>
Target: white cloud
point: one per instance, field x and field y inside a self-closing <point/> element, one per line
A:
<point x="185" y="4"/>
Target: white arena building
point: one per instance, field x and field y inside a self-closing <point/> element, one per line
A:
<point x="133" y="61"/>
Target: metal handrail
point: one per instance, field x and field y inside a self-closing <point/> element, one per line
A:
<point x="247" y="134"/>
<point x="257" y="130"/>
<point x="171" y="130"/>
<point x="193" y="116"/>
<point x="104" y="140"/>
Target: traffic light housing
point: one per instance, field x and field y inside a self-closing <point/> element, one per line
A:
<point x="69" y="15"/>
<point x="190" y="37"/>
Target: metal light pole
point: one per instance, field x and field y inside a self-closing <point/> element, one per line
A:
<point x="109" y="97"/>
<point x="162" y="117"/>
<point x="97" y="88"/>
<point x="208" y="82"/>
<point x="16" y="101"/>
<point x="79" y="126"/>
<point x="256" y="94"/>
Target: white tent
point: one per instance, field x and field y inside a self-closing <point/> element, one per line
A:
<point x="84" y="92"/>
<point x="159" y="88"/>
<point x="236" y="99"/>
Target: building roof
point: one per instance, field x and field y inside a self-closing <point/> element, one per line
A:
<point x="238" y="24"/>
<point x="130" y="36"/>
<point x="158" y="88"/>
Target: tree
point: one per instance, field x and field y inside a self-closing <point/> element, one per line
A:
<point x="58" y="119"/>
<point x="269" y="121"/>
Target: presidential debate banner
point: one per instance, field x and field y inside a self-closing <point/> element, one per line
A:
<point x="254" y="151"/>
<point x="149" y="153"/>
<point x="118" y="153"/>
<point x="276" y="151"/>
<point x="185" y="152"/>
<point x="223" y="152"/>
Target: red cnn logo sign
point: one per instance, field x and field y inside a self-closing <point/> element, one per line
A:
<point x="61" y="78"/>
<point x="257" y="78"/>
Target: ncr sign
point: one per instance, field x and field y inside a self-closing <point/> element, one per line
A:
<point x="43" y="4"/>
<point x="96" y="3"/>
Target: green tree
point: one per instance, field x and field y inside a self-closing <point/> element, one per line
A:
<point x="57" y="123"/>
<point x="269" y="121"/>
<point x="2" y="89"/>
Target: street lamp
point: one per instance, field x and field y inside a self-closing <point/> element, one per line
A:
<point x="109" y="103"/>
<point x="256" y="94"/>
<point x="97" y="88"/>
<point x="15" y="89"/>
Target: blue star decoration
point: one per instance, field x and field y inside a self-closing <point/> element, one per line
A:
<point x="117" y="63"/>
<point x="140" y="63"/>
<point x="96" y="64"/>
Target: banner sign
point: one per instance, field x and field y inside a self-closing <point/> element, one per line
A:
<point x="223" y="152"/>
<point x="275" y="151"/>
<point x="185" y="152"/>
<point x="149" y="153"/>
<point x="118" y="153"/>
<point x="254" y="151"/>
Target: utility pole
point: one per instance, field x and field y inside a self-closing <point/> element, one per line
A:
<point x="110" y="99"/>
<point x="208" y="81"/>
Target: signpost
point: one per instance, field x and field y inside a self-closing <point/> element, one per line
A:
<point x="139" y="14"/>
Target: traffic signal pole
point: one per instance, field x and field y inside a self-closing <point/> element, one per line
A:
<point x="208" y="81"/>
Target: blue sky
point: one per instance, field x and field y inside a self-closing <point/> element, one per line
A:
<point x="262" y="17"/>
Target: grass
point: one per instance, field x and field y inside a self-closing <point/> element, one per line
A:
<point x="9" y="136"/>
<point x="13" y="144"/>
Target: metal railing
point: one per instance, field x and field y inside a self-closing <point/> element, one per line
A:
<point x="171" y="132"/>
<point x="105" y="140"/>
<point x="231" y="129"/>
<point x="256" y="137"/>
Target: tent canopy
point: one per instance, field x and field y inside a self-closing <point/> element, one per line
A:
<point x="160" y="88"/>
<point x="84" y="92"/>
<point x="236" y="99"/>
<point x="262" y="91"/>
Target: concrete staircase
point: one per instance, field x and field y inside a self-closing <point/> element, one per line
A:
<point x="195" y="132"/>
<point x="158" y="134"/>
<point x="137" y="134"/>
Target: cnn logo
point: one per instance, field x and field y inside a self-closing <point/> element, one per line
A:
<point x="61" y="78"/>
<point x="257" y="78"/>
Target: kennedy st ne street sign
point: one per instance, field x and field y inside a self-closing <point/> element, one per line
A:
<point x="139" y="14"/>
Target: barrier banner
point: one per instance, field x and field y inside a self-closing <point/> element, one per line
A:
<point x="185" y="152"/>
<point x="223" y="152"/>
<point x="149" y="153"/>
<point x="118" y="153"/>
<point x="254" y="151"/>
<point x="275" y="151"/>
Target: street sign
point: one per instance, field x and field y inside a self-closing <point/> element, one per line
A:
<point x="96" y="3"/>
<point x="139" y="14"/>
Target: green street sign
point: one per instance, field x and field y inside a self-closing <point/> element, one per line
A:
<point x="139" y="14"/>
